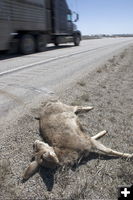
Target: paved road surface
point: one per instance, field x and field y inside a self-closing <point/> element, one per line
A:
<point x="24" y="78"/>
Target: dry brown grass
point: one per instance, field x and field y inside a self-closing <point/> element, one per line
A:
<point x="99" y="176"/>
<point x="81" y="83"/>
<point x="6" y="184"/>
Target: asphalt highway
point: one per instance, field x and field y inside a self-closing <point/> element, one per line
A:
<point x="24" y="78"/>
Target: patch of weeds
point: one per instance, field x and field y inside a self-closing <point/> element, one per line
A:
<point x="112" y="60"/>
<point x="103" y="86"/>
<point x="112" y="119"/>
<point x="85" y="97"/>
<point x="81" y="83"/>
<point x="122" y="55"/>
<point x="4" y="170"/>
<point x="99" y="70"/>
<point x="63" y="178"/>
<point x="131" y="115"/>
<point x="109" y="102"/>
<point x="105" y="66"/>
<point x="102" y="69"/>
<point x="7" y="187"/>
<point x="125" y="172"/>
<point x="80" y="193"/>
<point x="76" y="102"/>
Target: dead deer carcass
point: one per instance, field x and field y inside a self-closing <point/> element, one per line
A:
<point x="65" y="141"/>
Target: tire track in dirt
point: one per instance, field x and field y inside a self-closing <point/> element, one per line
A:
<point x="11" y="96"/>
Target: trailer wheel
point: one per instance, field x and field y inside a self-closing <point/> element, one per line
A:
<point x="27" y="44"/>
<point x="77" y="40"/>
<point x="41" y="43"/>
<point x="13" y="49"/>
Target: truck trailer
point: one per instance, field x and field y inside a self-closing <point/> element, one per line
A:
<point x="28" y="26"/>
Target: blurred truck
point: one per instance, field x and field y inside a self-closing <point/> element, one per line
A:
<point x="29" y="25"/>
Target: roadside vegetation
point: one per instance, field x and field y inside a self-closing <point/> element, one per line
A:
<point x="110" y="90"/>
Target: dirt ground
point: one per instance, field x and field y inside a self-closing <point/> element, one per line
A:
<point x="110" y="90"/>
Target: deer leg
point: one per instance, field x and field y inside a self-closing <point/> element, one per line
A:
<point x="97" y="136"/>
<point x="32" y="169"/>
<point x="82" y="108"/>
<point x="109" y="151"/>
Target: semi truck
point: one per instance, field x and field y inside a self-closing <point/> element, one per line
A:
<point x="29" y="25"/>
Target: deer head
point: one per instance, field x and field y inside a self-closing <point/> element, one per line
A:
<point x="43" y="155"/>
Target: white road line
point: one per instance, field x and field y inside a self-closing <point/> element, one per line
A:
<point x="44" y="61"/>
<point x="52" y="59"/>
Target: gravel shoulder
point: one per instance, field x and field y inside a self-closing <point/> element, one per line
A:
<point x="110" y="90"/>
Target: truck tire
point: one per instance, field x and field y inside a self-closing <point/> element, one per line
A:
<point x="77" y="40"/>
<point x="13" y="49"/>
<point x="27" y="44"/>
<point x="41" y="43"/>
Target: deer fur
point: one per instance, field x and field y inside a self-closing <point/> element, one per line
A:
<point x="65" y="140"/>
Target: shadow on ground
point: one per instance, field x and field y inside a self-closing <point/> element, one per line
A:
<point x="48" y="174"/>
<point x="6" y="55"/>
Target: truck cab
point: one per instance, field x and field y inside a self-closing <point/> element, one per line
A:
<point x="63" y="23"/>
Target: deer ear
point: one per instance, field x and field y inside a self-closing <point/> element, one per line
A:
<point x="31" y="170"/>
